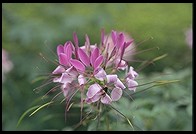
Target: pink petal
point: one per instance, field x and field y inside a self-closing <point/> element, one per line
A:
<point x="56" y="79"/>
<point x="93" y="99"/>
<point x="100" y="74"/>
<point x="119" y="84"/>
<point x="132" y="74"/>
<point x="92" y="47"/>
<point x="68" y="50"/>
<point x="98" y="61"/>
<point x="72" y="71"/>
<point x="60" y="69"/>
<point x="65" y="45"/>
<point x="95" y="53"/>
<point x="83" y="48"/>
<point x="75" y="38"/>
<point x="87" y="46"/>
<point x="132" y="85"/>
<point x="88" y="100"/>
<point x="78" y="65"/>
<point x="121" y="64"/>
<point x="106" y="99"/>
<point x="122" y="51"/>
<point x="66" y="78"/>
<point x="116" y="94"/>
<point x="111" y="78"/>
<point x="63" y="59"/>
<point x="113" y="51"/>
<point x="60" y="49"/>
<point x="72" y="46"/>
<point x="128" y="43"/>
<point x="92" y="90"/>
<point x="96" y="97"/>
<point x="114" y="37"/>
<point x="83" y="57"/>
<point x="102" y="36"/>
<point x="87" y="43"/>
<point x="120" y="40"/>
<point x="81" y="79"/>
<point x="66" y="88"/>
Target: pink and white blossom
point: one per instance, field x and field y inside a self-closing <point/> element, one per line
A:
<point x="93" y="68"/>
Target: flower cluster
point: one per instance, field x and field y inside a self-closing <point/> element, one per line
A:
<point x="94" y="69"/>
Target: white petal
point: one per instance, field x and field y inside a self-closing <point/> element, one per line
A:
<point x="132" y="85"/>
<point x="122" y="64"/>
<point x="119" y="84"/>
<point x="60" y="69"/>
<point x="132" y="74"/>
<point x="92" y="90"/>
<point x="96" y="97"/>
<point x="56" y="79"/>
<point x="100" y="74"/>
<point x="111" y="78"/>
<point x="65" y="78"/>
<point x="88" y="100"/>
<point x="81" y="79"/>
<point x="106" y="99"/>
<point x="72" y="71"/>
<point x="116" y="94"/>
<point x="66" y="88"/>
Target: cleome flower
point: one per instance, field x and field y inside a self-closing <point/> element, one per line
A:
<point x="93" y="69"/>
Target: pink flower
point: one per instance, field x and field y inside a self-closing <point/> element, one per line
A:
<point x="66" y="78"/>
<point x="65" y="53"/>
<point x="131" y="84"/>
<point x="121" y="41"/>
<point x="93" y="68"/>
<point x="7" y="65"/>
<point x="130" y="76"/>
<point x="96" y="92"/>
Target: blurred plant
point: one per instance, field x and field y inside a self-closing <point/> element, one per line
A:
<point x="189" y="37"/>
<point x="7" y="65"/>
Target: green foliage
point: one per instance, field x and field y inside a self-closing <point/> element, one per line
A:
<point x="31" y="32"/>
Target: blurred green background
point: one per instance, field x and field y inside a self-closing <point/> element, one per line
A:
<point x="31" y="29"/>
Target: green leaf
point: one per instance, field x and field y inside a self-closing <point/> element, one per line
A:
<point x="159" y="57"/>
<point x="42" y="106"/>
<point x="162" y="82"/>
<point x="25" y="113"/>
<point x="39" y="78"/>
<point x="123" y="116"/>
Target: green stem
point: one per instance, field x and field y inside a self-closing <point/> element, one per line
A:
<point x="99" y="112"/>
<point x="107" y="122"/>
<point x="123" y="116"/>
